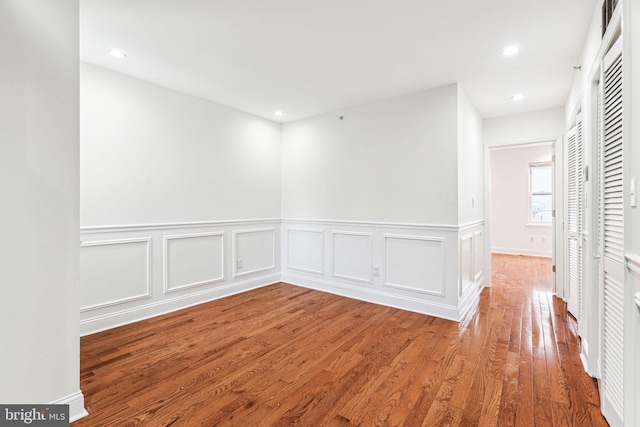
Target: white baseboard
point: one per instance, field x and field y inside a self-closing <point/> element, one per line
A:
<point x="123" y="317"/>
<point x="444" y="311"/>
<point x="519" y="251"/>
<point x="76" y="405"/>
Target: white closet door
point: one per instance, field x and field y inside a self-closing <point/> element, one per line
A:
<point x="574" y="220"/>
<point x="598" y="223"/>
<point x="613" y="243"/>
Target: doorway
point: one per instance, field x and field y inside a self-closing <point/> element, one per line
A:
<point x="522" y="199"/>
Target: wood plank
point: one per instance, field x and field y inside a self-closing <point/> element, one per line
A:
<point x="283" y="355"/>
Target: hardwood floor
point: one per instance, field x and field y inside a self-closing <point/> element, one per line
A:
<point x="284" y="355"/>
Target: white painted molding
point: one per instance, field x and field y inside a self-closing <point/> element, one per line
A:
<point x="165" y="261"/>
<point x="147" y="293"/>
<point x="126" y="316"/>
<point x="633" y="262"/>
<point x="471" y="224"/>
<point x="524" y="252"/>
<point x="608" y="39"/>
<point x="584" y="354"/>
<point x="76" y="405"/>
<point x="194" y="224"/>
<point x="167" y="225"/>
<point x="442" y="227"/>
<point x="636" y="298"/>
<point x="305" y="230"/>
<point x="387" y="299"/>
<point x="478" y="269"/>
<point x="537" y="142"/>
<point x="462" y="286"/>
<point x="235" y="255"/>
<point x="334" y="233"/>
<point x="470" y="299"/>
<point x="388" y="284"/>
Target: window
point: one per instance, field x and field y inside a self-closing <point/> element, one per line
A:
<point x="540" y="193"/>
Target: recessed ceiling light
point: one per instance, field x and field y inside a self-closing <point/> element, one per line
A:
<point x="117" y="54"/>
<point x="279" y="113"/>
<point x="510" y="50"/>
<point x="517" y="97"/>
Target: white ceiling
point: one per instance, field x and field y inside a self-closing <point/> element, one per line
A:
<point x="310" y="57"/>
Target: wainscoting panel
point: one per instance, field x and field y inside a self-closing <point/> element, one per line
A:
<point x="414" y="263"/>
<point x="471" y="264"/>
<point x="478" y="256"/>
<point x="409" y="266"/>
<point x="305" y="250"/>
<point x="352" y="256"/>
<point x="114" y="271"/>
<point x="133" y="272"/>
<point x="254" y="251"/>
<point x="193" y="260"/>
<point x="466" y="263"/>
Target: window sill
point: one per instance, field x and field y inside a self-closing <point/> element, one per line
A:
<point x="539" y="224"/>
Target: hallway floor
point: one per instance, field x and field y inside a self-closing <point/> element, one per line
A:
<point x="284" y="355"/>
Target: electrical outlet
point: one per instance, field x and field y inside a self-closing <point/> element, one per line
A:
<point x="239" y="263"/>
<point x="376" y="270"/>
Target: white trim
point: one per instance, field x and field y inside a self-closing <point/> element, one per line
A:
<point x="606" y="44"/>
<point x="470" y="224"/>
<point x="444" y="227"/>
<point x="235" y="255"/>
<point x="147" y="294"/>
<point x="165" y="225"/>
<point x="548" y="225"/>
<point x="536" y="142"/>
<point x="461" y="288"/>
<point x="471" y="298"/>
<point x="418" y="305"/>
<point x="584" y="353"/>
<point x="633" y="262"/>
<point x="194" y="224"/>
<point x="352" y="233"/>
<point x="636" y="299"/>
<point x="387" y="284"/>
<point x="76" y="405"/>
<point x="135" y="314"/>
<point x="523" y="252"/>
<point x="477" y="277"/>
<point x="165" y="261"/>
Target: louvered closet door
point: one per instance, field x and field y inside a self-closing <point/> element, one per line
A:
<point x="613" y="243"/>
<point x="574" y="219"/>
<point x="598" y="222"/>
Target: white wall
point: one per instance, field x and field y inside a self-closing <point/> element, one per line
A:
<point x="179" y="198"/>
<point x="536" y="126"/>
<point x="588" y="60"/>
<point x="470" y="162"/>
<point x="153" y="155"/>
<point x="511" y="231"/>
<point x="391" y="161"/>
<point x="39" y="360"/>
<point x="370" y="201"/>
